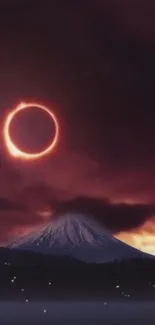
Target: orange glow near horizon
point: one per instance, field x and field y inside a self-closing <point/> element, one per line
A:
<point x="15" y="151"/>
<point x="142" y="238"/>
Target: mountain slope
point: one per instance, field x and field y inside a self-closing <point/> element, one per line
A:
<point x="76" y="235"/>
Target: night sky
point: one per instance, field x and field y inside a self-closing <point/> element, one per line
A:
<point x="93" y="64"/>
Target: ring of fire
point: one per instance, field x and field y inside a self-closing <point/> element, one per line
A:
<point x="12" y="148"/>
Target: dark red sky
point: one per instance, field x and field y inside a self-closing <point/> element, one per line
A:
<point x="93" y="63"/>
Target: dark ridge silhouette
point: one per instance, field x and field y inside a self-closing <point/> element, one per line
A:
<point x="52" y="277"/>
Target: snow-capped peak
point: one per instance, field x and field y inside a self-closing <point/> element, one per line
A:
<point x="73" y="229"/>
<point x="76" y="235"/>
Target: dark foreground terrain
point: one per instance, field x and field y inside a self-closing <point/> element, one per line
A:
<point x="38" y="289"/>
<point x="27" y="275"/>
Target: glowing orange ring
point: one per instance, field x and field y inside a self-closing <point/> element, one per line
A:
<point x="15" y="151"/>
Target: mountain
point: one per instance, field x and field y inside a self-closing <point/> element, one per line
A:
<point x="76" y="236"/>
